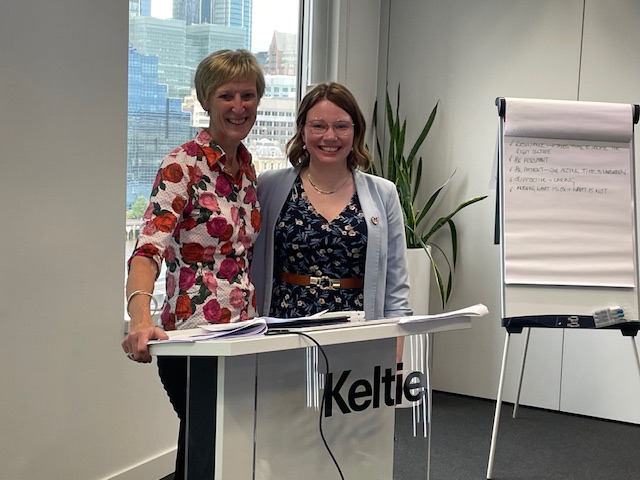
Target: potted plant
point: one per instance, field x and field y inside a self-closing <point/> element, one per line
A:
<point x="406" y="172"/>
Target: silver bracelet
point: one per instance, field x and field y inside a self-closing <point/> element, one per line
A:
<point x="142" y="292"/>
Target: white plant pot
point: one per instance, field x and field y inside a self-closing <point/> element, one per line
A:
<point x="420" y="279"/>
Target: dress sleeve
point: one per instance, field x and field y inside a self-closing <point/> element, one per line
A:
<point x="168" y="200"/>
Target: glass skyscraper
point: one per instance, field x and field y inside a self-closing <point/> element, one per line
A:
<point x="166" y="39"/>
<point x="139" y="7"/>
<point x="156" y="124"/>
<point x="224" y="13"/>
<point x="236" y="14"/>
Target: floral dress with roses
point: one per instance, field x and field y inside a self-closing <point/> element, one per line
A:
<point x="203" y="222"/>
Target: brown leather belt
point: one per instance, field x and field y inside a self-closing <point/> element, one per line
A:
<point x="321" y="282"/>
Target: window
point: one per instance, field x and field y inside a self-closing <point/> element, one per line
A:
<point x="167" y="40"/>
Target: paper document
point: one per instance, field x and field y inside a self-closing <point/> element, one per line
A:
<point x="255" y="326"/>
<point x="477" y="310"/>
<point x="318" y="318"/>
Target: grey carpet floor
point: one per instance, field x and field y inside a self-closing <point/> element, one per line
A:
<point x="538" y="445"/>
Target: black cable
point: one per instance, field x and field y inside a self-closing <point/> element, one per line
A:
<point x="324" y="390"/>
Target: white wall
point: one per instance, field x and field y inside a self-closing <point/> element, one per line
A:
<point x="466" y="53"/>
<point x="345" y="47"/>
<point x="71" y="405"/>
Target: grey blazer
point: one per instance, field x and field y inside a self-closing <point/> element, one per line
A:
<point x="386" y="279"/>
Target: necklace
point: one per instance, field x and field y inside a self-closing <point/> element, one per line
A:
<point x="325" y="192"/>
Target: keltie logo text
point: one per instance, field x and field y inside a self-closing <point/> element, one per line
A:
<point x="362" y="393"/>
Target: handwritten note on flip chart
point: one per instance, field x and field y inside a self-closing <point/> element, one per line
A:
<point x="568" y="212"/>
<point x="567" y="182"/>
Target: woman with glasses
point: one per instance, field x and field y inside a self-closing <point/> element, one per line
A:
<point x="332" y="236"/>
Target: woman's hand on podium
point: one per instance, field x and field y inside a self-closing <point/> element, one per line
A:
<point x="135" y="343"/>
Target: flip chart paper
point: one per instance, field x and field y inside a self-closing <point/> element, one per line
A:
<point x="568" y="206"/>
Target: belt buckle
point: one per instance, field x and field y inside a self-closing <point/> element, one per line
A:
<point x="324" y="282"/>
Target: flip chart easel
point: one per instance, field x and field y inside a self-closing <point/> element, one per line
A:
<point x="566" y="220"/>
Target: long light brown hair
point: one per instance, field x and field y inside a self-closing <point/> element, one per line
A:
<point x="339" y="95"/>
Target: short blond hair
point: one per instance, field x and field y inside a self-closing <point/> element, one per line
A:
<point x="225" y="66"/>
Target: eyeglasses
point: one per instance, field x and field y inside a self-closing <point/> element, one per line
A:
<point x="318" y="127"/>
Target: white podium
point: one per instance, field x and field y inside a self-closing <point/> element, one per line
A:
<point x="254" y="403"/>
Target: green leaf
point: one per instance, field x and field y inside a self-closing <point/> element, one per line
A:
<point x="417" y="180"/>
<point x="454" y="241"/>
<point x="423" y="134"/>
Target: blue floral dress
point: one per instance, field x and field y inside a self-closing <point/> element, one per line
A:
<point x="307" y="244"/>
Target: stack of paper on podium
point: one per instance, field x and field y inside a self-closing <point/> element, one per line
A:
<point x="255" y="326"/>
<point x="477" y="310"/>
<point x="321" y="320"/>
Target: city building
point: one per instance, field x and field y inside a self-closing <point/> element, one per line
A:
<point x="275" y="125"/>
<point x="204" y="38"/>
<point x="225" y="13"/>
<point x="190" y="11"/>
<point x="156" y="124"/>
<point x="235" y="14"/>
<point x="280" y="86"/>
<point x="165" y="39"/>
<point x="139" y="8"/>
<point x="283" y="54"/>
